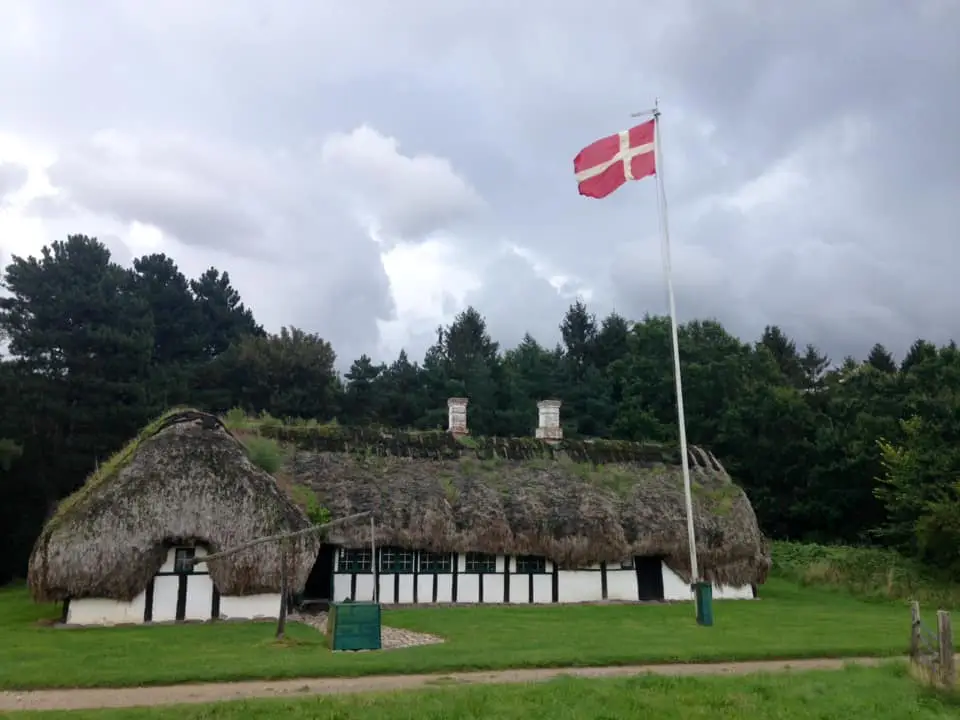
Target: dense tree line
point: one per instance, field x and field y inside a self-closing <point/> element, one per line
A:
<point x="861" y="451"/>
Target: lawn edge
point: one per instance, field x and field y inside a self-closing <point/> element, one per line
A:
<point x="359" y="672"/>
<point x="303" y="688"/>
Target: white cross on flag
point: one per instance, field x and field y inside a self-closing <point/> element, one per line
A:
<point x="605" y="165"/>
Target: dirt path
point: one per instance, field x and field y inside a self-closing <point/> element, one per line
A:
<point x="80" y="699"/>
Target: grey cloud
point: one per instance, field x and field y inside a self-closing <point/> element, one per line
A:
<point x="515" y="300"/>
<point x="196" y="194"/>
<point x="120" y="252"/>
<point x="860" y="97"/>
<point x="867" y="98"/>
<point x="51" y="207"/>
<point x="885" y="69"/>
<point x="339" y="295"/>
<point x="301" y="259"/>
<point x="12" y="178"/>
<point x="412" y="197"/>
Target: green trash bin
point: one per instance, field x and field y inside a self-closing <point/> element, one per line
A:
<point x="353" y="626"/>
<point x="703" y="594"/>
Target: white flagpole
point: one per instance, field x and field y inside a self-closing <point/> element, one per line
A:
<point x="665" y="249"/>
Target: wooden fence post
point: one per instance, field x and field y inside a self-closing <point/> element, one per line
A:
<point x="284" y="591"/>
<point x="948" y="670"/>
<point x="914" y="630"/>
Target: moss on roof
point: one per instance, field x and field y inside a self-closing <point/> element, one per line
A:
<point x="114" y="464"/>
<point x="441" y="445"/>
<point x="578" y="502"/>
<point x="184" y="479"/>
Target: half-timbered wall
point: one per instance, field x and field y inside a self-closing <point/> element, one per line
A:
<point x="176" y="593"/>
<point x="412" y="577"/>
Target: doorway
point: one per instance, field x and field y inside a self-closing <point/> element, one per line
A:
<point x="319" y="587"/>
<point x="649" y="578"/>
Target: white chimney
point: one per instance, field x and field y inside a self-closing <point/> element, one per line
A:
<point x="457" y="416"/>
<point x="549" y="423"/>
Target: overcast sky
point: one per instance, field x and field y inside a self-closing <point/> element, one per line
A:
<point x="366" y="169"/>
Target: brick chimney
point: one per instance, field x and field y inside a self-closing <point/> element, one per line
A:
<point x="548" y="427"/>
<point x="457" y="416"/>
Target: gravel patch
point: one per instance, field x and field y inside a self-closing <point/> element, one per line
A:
<point x="390" y="638"/>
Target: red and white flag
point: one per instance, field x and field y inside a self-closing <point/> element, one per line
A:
<point x="607" y="164"/>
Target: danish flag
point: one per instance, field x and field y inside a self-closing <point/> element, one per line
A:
<point x="605" y="165"/>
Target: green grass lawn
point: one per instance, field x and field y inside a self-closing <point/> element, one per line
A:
<point x="788" y="622"/>
<point x="885" y="693"/>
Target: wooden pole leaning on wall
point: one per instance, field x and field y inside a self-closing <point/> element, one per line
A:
<point x="284" y="591"/>
<point x="285" y="548"/>
<point x="275" y="538"/>
<point x="948" y="669"/>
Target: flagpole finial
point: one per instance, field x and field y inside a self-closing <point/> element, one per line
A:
<point x="656" y="108"/>
<point x="644" y="113"/>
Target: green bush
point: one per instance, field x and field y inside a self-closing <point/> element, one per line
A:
<point x="236" y="419"/>
<point x="307" y="499"/>
<point x="265" y="453"/>
<point x="869" y="573"/>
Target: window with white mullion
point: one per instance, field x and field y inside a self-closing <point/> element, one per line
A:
<point x="431" y="562"/>
<point x="480" y="563"/>
<point x="355" y="561"/>
<point x="531" y="564"/>
<point x="396" y="560"/>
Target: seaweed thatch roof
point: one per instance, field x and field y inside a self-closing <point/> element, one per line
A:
<point x="577" y="503"/>
<point x="185" y="478"/>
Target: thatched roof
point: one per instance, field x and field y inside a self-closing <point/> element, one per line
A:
<point x="577" y="503"/>
<point x="185" y="478"/>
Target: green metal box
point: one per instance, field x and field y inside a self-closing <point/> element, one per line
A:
<point x="703" y="594"/>
<point x="353" y="626"/>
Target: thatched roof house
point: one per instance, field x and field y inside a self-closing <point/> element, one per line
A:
<point x="449" y="511"/>
<point x="184" y="481"/>
<point x="576" y="503"/>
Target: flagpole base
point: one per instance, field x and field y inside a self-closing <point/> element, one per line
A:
<point x="703" y="597"/>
